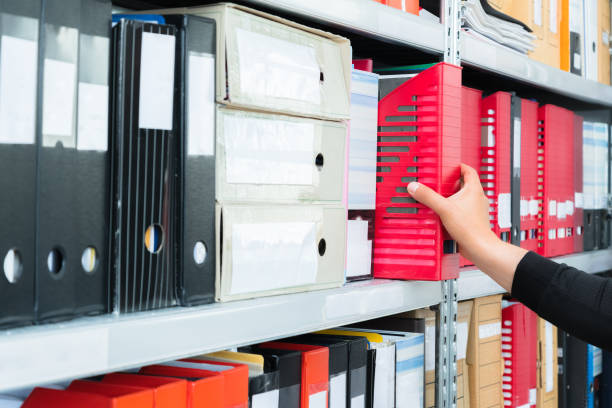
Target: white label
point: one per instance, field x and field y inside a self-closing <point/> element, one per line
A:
<point x="156" y="81"/>
<point x="579" y="200"/>
<point x="504" y="210"/>
<point x="553" y="21"/>
<point x="517" y="143"/>
<point x="561" y="214"/>
<point x="524" y="208"/>
<point x="489" y="330"/>
<point x="537" y="12"/>
<point x="605" y="38"/>
<point x="197" y="365"/>
<point x="265" y="400"/>
<point x="59" y="85"/>
<point x="597" y="361"/>
<point x="18" y="75"/>
<point x="358" y="248"/>
<point x="273" y="255"/>
<point x="384" y="377"/>
<point x="92" y="117"/>
<point x="576" y="18"/>
<point x="462" y="340"/>
<point x="533" y="207"/>
<point x="552" y="208"/>
<point x="561" y="233"/>
<point x="577" y="61"/>
<point x="268" y="151"/>
<point x="318" y="400"/>
<point x="272" y="67"/>
<point x="337" y="391"/>
<point x="533" y="396"/>
<point x="201" y="105"/>
<point x="358" y="401"/>
<point x="569" y="207"/>
<point x="430" y="348"/>
<point x="548" y="338"/>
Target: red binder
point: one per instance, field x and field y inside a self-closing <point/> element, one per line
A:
<point x="122" y="395"/>
<point x="52" y="398"/>
<point x="578" y="198"/>
<point x="529" y="175"/>
<point x="167" y="392"/>
<point x="236" y="379"/>
<point x="364" y="64"/>
<point x="495" y="175"/>
<point x="419" y="139"/>
<point x="556" y="150"/>
<point x="519" y="342"/>
<point x="315" y="372"/>
<point x="470" y="134"/>
<point x="204" y="388"/>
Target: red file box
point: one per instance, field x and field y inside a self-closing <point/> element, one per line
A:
<point x="470" y="134"/>
<point x="204" y="388"/>
<point x="168" y="392"/>
<point x="578" y="185"/>
<point x="529" y="175"/>
<point x="122" y="395"/>
<point x="364" y="64"/>
<point x="419" y="139"/>
<point x="315" y="370"/>
<point x="555" y="159"/>
<point x="409" y="6"/>
<point x="495" y="165"/>
<point x="519" y="342"/>
<point x="52" y="398"/>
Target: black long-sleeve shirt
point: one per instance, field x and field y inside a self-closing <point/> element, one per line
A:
<point x="576" y="302"/>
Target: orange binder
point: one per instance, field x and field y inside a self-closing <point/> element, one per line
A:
<point x="564" y="32"/>
<point x="204" y="388"/>
<point x="409" y="6"/>
<point x="167" y="392"/>
<point x="315" y="372"/>
<point x="123" y="396"/>
<point x="52" y="398"/>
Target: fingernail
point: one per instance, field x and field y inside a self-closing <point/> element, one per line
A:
<point x="412" y="187"/>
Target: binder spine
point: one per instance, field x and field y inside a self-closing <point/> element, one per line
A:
<point x="495" y="162"/>
<point x="578" y="232"/>
<point x="418" y="139"/>
<point x="530" y="173"/>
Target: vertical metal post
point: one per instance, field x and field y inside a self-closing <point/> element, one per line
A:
<point x="446" y="337"/>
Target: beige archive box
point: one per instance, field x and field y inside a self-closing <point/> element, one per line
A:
<point x="273" y="158"/>
<point x="603" y="48"/>
<point x="270" y="63"/>
<point x="547" y="377"/>
<point x="464" y="317"/>
<point x="270" y="250"/>
<point x="484" y="358"/>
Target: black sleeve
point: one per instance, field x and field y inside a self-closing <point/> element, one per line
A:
<point x="574" y="301"/>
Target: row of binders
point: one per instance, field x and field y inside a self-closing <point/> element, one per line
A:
<point x="236" y="154"/>
<point x="572" y="35"/>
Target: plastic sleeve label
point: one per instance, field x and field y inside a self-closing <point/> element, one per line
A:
<point x="156" y="81"/>
<point x="358" y="401"/>
<point x="553" y="21"/>
<point x="59" y="89"/>
<point x="533" y="396"/>
<point x="358" y="248"/>
<point x="533" y="207"/>
<point x="268" y="151"/>
<point x="430" y="347"/>
<point x="517" y="144"/>
<point x="524" y="208"/>
<point x="552" y="208"/>
<point x="504" y="210"/>
<point x="561" y="210"/>
<point x="462" y="340"/>
<point x="337" y="391"/>
<point x="578" y="200"/>
<point x="273" y="255"/>
<point x="318" y="400"/>
<point x="537" y="12"/>
<point x="489" y="330"/>
<point x="18" y="77"/>
<point x="201" y="105"/>
<point x="277" y="68"/>
<point x="548" y="338"/>
<point x="92" y="117"/>
<point x="265" y="399"/>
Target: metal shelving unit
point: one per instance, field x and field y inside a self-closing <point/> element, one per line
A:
<point x="473" y="283"/>
<point x="89" y="346"/>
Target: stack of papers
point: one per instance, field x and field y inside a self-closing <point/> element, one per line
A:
<point x="503" y="32"/>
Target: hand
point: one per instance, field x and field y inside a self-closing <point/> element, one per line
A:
<point x="465" y="216"/>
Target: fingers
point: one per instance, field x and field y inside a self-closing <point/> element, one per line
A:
<point x="428" y="197"/>
<point x="469" y="175"/>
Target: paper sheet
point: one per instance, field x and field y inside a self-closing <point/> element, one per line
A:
<point x="201" y="105"/>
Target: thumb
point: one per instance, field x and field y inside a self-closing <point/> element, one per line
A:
<point x="428" y="197"/>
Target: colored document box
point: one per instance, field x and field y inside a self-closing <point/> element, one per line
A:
<point x="529" y="205"/>
<point x="52" y="398"/>
<point x="268" y="250"/>
<point x="167" y="392"/>
<point x="270" y="63"/>
<point x="274" y="158"/>
<point x="144" y="145"/>
<point x="547" y="391"/>
<point x="122" y="395"/>
<point x="419" y="140"/>
<point x="578" y="185"/>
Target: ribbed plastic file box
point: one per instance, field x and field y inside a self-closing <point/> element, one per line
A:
<point x="419" y="138"/>
<point x="529" y="175"/>
<point x="578" y="188"/>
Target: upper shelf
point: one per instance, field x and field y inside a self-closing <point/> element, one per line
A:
<point x="472" y="283"/>
<point x="89" y="346"/>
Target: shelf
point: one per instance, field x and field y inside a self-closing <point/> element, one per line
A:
<point x="473" y="283"/>
<point x="89" y="346"/>
<point x="495" y="58"/>
<point x="368" y="18"/>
